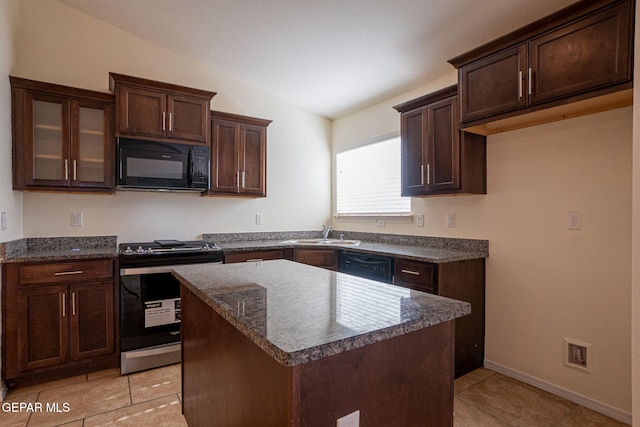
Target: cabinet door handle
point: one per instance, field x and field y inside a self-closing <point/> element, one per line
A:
<point x="73" y="303"/>
<point x="421" y="174"/>
<point x="64" y="304"/>
<point x="75" y="170"/>
<point x="428" y="174"/>
<point x="415" y="273"/>
<point x="254" y="260"/>
<point x="68" y="273"/>
<point x="243" y="175"/>
<point x="530" y="84"/>
<point x="164" y="119"/>
<point x="170" y="122"/>
<point x="520" y="84"/>
<point x="66" y="169"/>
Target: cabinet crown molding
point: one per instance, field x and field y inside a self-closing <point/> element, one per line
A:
<point x="115" y="79"/>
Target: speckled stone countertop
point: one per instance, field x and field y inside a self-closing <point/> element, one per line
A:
<point x="58" y="249"/>
<point x="298" y="313"/>
<point x="419" y="248"/>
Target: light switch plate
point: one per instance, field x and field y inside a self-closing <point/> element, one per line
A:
<point x="451" y="220"/>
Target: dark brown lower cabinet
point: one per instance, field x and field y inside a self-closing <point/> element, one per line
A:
<point x="58" y="320"/>
<point x="325" y="258"/>
<point x="402" y="381"/>
<point x="257" y="255"/>
<point x="461" y="280"/>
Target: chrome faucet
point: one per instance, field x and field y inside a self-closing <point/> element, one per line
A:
<point x="326" y="231"/>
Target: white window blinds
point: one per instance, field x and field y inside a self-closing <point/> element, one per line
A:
<point x="368" y="180"/>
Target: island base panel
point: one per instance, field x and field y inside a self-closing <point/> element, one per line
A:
<point x="228" y="380"/>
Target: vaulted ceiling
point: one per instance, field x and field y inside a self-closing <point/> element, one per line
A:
<point x="331" y="57"/>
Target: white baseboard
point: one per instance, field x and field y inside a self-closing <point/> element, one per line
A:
<point x="571" y="396"/>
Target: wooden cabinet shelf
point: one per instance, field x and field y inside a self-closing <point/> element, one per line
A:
<point x="148" y="109"/>
<point x="238" y="155"/>
<point x="62" y="138"/>
<point x="580" y="53"/>
<point x="438" y="158"/>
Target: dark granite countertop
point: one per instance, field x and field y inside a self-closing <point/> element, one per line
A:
<point x="419" y="248"/>
<point x="299" y="313"/>
<point x="58" y="249"/>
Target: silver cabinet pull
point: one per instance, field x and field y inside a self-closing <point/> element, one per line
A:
<point x="68" y="273"/>
<point x="254" y="260"/>
<point x="421" y="174"/>
<point x="243" y="179"/>
<point x="415" y="273"/>
<point x="66" y="169"/>
<point x="520" y="84"/>
<point x="164" y="119"/>
<point x="73" y="303"/>
<point x="64" y="304"/>
<point x="428" y="174"/>
<point x="530" y="85"/>
<point x="170" y="122"/>
<point x="75" y="170"/>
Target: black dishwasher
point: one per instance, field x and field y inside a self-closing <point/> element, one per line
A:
<point x="375" y="267"/>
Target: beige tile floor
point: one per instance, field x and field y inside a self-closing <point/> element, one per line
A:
<point x="483" y="398"/>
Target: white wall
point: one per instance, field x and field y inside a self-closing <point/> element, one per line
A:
<point x="10" y="201"/>
<point x="544" y="282"/>
<point x="60" y="45"/>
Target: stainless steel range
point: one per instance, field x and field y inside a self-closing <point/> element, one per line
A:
<point x="150" y="299"/>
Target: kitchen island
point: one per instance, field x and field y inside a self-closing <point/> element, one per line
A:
<point x="278" y="343"/>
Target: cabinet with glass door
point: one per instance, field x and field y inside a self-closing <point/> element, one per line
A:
<point x="62" y="138"/>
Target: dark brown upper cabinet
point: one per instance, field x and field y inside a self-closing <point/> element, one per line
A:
<point x="148" y="109"/>
<point x="62" y="138"/>
<point x="438" y="158"/>
<point x="238" y="155"/>
<point x="576" y="61"/>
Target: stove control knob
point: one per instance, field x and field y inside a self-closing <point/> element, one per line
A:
<point x="140" y="250"/>
<point x="206" y="247"/>
<point x="128" y="251"/>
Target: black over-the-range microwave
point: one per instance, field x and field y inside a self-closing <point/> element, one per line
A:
<point x="162" y="166"/>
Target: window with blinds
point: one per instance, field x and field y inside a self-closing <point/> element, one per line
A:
<point x="368" y="180"/>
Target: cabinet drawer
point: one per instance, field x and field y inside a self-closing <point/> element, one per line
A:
<point x="65" y="272"/>
<point x="255" y="256"/>
<point x="416" y="275"/>
<point x="325" y="258"/>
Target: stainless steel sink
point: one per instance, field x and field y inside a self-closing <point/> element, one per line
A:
<point x="319" y="242"/>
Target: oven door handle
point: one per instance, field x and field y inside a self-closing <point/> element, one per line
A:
<point x="157" y="269"/>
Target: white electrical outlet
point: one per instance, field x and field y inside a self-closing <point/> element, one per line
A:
<point x="420" y="220"/>
<point x="258" y="219"/>
<point x="451" y="220"/>
<point x="350" y="420"/>
<point x="574" y="221"/>
<point x="380" y="223"/>
<point x="77" y="219"/>
<point x="3" y="220"/>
